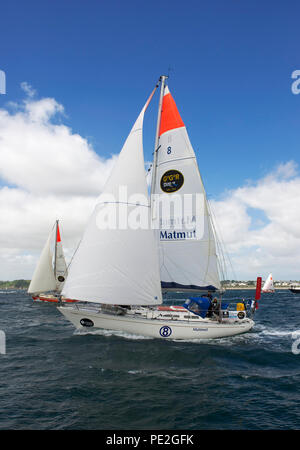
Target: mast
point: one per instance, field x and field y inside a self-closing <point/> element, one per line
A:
<point x="162" y="79"/>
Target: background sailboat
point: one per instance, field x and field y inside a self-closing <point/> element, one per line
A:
<point x="51" y="270"/>
<point x="268" y="285"/>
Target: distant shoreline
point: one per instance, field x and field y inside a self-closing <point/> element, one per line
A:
<point x="252" y="288"/>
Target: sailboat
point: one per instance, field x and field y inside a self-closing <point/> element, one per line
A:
<point x="130" y="255"/>
<point x="268" y="285"/>
<point x="51" y="271"/>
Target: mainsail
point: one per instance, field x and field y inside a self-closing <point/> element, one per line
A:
<point x="119" y="264"/>
<point x="188" y="259"/>
<point x="49" y="275"/>
<point x="268" y="286"/>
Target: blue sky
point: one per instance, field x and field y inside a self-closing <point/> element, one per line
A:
<point x="231" y="74"/>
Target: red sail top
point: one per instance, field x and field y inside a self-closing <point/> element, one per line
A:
<point x="58" y="235"/>
<point x="170" y="117"/>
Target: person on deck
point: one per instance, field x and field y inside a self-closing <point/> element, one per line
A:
<point x="214" y="308"/>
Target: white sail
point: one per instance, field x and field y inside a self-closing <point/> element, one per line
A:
<point x="120" y="265"/>
<point x="60" y="266"/>
<point x="187" y="256"/>
<point x="43" y="279"/>
<point x="268" y="285"/>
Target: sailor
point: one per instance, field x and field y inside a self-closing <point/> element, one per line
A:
<point x="214" y="308"/>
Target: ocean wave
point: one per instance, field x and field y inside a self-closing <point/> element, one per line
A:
<point x="109" y="333"/>
<point x="6" y="292"/>
<point x="276" y="332"/>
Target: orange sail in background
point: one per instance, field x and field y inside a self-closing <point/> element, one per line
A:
<point x="170" y="117"/>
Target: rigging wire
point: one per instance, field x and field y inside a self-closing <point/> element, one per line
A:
<point x="224" y="255"/>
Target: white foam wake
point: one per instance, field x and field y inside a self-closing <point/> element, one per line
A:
<point x="108" y="333"/>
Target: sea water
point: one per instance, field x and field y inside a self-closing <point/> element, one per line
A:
<point x="53" y="377"/>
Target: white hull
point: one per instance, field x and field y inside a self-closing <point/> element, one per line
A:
<point x="87" y="318"/>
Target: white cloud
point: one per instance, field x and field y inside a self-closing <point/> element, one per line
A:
<point x="47" y="172"/>
<point x="273" y="244"/>
<point x="42" y="157"/>
<point x="28" y="89"/>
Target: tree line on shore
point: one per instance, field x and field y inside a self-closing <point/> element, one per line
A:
<point x="15" y="284"/>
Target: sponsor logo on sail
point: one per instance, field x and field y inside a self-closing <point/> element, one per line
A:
<point x="171" y="181"/>
<point x="177" y="235"/>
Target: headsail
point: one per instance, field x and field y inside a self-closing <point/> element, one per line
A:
<point x="268" y="286"/>
<point x="51" y="269"/>
<point x="187" y="255"/>
<point x="114" y="265"/>
<point x="43" y="279"/>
